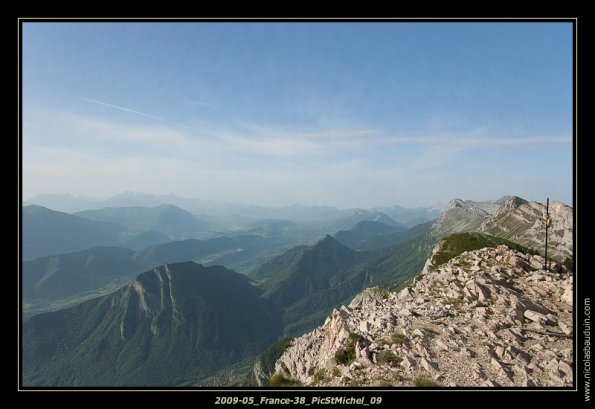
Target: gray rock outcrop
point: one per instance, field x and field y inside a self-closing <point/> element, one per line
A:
<point x="490" y="317"/>
<point x="524" y="222"/>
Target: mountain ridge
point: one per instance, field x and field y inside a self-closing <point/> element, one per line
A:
<point x="300" y="286"/>
<point x="177" y="223"/>
<point x="44" y="232"/>
<point x="175" y="323"/>
<point x="368" y="235"/>
<point x="524" y="222"/>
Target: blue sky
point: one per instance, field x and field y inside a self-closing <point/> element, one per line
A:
<point x="343" y="114"/>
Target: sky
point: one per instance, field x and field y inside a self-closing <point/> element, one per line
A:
<point x="341" y="114"/>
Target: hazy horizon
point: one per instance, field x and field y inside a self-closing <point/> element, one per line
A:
<point x="427" y="205"/>
<point x="348" y="115"/>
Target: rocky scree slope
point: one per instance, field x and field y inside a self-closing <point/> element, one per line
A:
<point x="490" y="317"/>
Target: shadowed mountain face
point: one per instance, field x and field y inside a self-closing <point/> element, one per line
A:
<point x="307" y="281"/>
<point x="69" y="274"/>
<point x="315" y="270"/>
<point x="367" y="235"/>
<point x="310" y="281"/>
<point x="58" y="281"/>
<point x="46" y="232"/>
<point x="172" y="325"/>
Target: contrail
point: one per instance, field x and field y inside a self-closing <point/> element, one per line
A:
<point x="119" y="108"/>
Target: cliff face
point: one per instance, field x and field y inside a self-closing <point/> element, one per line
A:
<point x="463" y="215"/>
<point x="511" y="218"/>
<point x="524" y="222"/>
<point x="486" y="318"/>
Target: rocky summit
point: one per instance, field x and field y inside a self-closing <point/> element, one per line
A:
<point x="489" y="317"/>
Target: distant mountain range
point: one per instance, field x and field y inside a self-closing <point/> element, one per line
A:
<point x="224" y="212"/>
<point x="182" y="323"/>
<point x="65" y="279"/>
<point x="61" y="280"/>
<point x="410" y="217"/>
<point x="352" y="219"/>
<point x="367" y="235"/>
<point x="299" y="281"/>
<point x="69" y="258"/>
<point x="65" y="275"/>
<point x="167" y="219"/>
<point x="48" y="232"/>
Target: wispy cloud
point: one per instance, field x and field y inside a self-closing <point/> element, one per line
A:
<point x="204" y="104"/>
<point x="513" y="142"/>
<point x="63" y="151"/>
<point x="269" y="146"/>
<point x="53" y="128"/>
<point x="210" y="142"/>
<point x="146" y="115"/>
<point x="473" y="142"/>
<point x="324" y="133"/>
<point x="121" y="108"/>
<point x="283" y="141"/>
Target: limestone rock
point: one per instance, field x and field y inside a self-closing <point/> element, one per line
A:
<point x="537" y="317"/>
<point x="493" y="325"/>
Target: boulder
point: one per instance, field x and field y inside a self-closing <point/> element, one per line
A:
<point x="537" y="317"/>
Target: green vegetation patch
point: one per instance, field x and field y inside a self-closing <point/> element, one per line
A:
<point x="398" y="338"/>
<point x="424" y="382"/>
<point x="387" y="357"/>
<point x="268" y="358"/>
<point x="354" y="337"/>
<point x="279" y="381"/>
<point x="346" y="356"/>
<point x="456" y="244"/>
<point x="405" y="284"/>
<point x="336" y="372"/>
<point x="320" y="377"/>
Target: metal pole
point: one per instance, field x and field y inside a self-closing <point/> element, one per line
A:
<point x="547" y="225"/>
